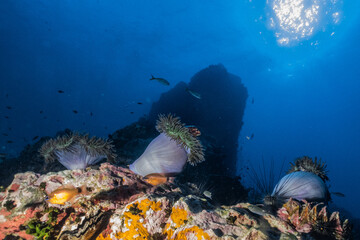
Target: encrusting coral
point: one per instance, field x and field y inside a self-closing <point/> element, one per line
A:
<point x="76" y="151"/>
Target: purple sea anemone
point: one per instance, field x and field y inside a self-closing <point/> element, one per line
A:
<point x="77" y="151"/>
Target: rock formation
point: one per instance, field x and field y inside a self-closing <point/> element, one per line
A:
<point x="218" y="114"/>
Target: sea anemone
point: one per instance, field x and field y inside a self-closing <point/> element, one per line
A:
<point x="76" y="151"/>
<point x="168" y="152"/>
<point x="184" y="136"/>
<point x="306" y="164"/>
<point x="300" y="186"/>
<point x="305" y="181"/>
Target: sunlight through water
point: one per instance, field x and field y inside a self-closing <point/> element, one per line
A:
<point x="297" y="20"/>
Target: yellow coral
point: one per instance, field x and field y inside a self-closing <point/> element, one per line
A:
<point x="133" y="221"/>
<point x="178" y="216"/>
<point x="146" y="204"/>
<point x="199" y="233"/>
<point x="101" y="237"/>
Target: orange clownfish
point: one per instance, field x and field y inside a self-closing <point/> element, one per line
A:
<point x="65" y="194"/>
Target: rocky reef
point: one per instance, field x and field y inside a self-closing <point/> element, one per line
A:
<point x="218" y="114"/>
<point x="121" y="205"/>
<point x="43" y="200"/>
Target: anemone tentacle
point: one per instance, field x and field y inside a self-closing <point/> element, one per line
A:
<point x="77" y="151"/>
<point x="307" y="164"/>
<point x="175" y="129"/>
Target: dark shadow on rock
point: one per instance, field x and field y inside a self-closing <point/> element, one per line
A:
<point x="131" y="141"/>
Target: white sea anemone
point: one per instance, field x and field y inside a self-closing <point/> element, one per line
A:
<point x="163" y="155"/>
<point x="77" y="151"/>
<point x="300" y="186"/>
<point x="77" y="158"/>
<point x="168" y="153"/>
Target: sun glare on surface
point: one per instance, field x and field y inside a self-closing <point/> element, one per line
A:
<point x="296" y="20"/>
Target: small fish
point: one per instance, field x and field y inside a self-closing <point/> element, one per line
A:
<point x="339" y="194"/>
<point x="207" y="194"/>
<point x="5" y="134"/>
<point x="83" y="123"/>
<point x="139" y="103"/>
<point x="65" y="194"/>
<point x="158" y="178"/>
<point x="257" y="210"/>
<point x="9" y="141"/>
<point x="41" y="112"/>
<point x="7" y="95"/>
<point x="160" y="80"/>
<point x="193" y="130"/>
<point x="193" y="93"/>
<point x="252" y="101"/>
<point x="7" y="117"/>
<point x="9" y="107"/>
<point x="60" y="91"/>
<point x="131" y="112"/>
<point x="250" y="138"/>
<point x="45" y="117"/>
<point x="91" y="114"/>
<point x="36" y="137"/>
<point x="74" y="111"/>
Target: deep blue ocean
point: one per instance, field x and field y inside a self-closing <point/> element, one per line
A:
<point x="298" y="59"/>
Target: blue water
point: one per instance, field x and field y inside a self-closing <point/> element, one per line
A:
<point x="301" y="70"/>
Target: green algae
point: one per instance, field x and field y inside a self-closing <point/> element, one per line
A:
<point x="44" y="230"/>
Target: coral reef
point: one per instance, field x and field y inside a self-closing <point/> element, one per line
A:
<point x="76" y="151"/>
<point x="121" y="205"/>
